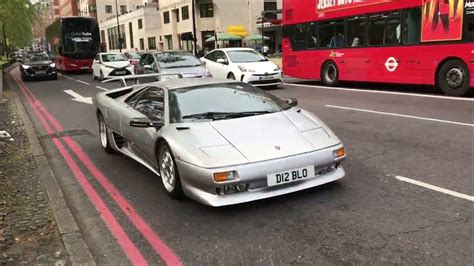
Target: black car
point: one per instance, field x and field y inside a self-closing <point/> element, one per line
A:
<point x="38" y="65"/>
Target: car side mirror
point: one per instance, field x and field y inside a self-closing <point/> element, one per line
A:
<point x="222" y="61"/>
<point x="292" y="101"/>
<point x="147" y="67"/>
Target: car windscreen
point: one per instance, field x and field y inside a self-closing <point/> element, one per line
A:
<point x="177" y="60"/>
<point x="246" y="56"/>
<point x="230" y="98"/>
<point x="37" y="57"/>
<point x="113" y="58"/>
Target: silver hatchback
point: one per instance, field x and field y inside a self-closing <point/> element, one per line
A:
<point x="172" y="62"/>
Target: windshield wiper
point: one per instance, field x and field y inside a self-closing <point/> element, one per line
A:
<point x="225" y="115"/>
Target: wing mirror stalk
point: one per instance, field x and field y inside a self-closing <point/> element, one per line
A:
<point x="292" y="102"/>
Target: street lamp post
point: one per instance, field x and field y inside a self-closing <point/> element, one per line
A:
<point x="193" y="8"/>
<point x="118" y="26"/>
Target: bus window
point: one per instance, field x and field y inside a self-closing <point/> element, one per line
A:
<point x="393" y="31"/>
<point x="356" y="32"/>
<point x="312" y="36"/>
<point x="412" y="26"/>
<point x="298" y="37"/>
<point x="331" y="34"/>
<point x="376" y="30"/>
<point x="385" y="29"/>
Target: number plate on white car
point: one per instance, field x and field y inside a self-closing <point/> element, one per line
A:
<point x="289" y="176"/>
<point x="120" y="72"/>
<point x="266" y="77"/>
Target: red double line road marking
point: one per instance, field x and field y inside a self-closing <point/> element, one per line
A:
<point x="158" y="245"/>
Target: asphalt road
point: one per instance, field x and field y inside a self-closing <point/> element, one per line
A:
<point x="373" y="215"/>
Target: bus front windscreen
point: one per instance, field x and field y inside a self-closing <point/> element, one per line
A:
<point x="79" y="37"/>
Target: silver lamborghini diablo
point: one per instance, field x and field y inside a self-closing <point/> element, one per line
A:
<point x="219" y="142"/>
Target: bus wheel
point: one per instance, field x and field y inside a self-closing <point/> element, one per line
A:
<point x="453" y="78"/>
<point x="330" y="74"/>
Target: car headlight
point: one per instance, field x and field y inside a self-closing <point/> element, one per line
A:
<point x="26" y="66"/>
<point x="244" y="69"/>
<point x="277" y="68"/>
<point x="52" y="65"/>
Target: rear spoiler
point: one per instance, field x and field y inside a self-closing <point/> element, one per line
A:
<point x="138" y="77"/>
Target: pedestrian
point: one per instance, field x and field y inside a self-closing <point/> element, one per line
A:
<point x="265" y="50"/>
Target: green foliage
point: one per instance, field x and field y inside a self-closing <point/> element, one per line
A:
<point x="18" y="16"/>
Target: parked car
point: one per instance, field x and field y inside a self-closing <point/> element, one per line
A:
<point x="219" y="142"/>
<point x="172" y="62"/>
<point x="243" y="64"/>
<point x="37" y="65"/>
<point x="108" y="65"/>
<point x="133" y="58"/>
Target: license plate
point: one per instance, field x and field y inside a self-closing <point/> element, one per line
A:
<point x="266" y="77"/>
<point x="120" y="72"/>
<point x="289" y="176"/>
<point x="85" y="67"/>
<point x="40" y="72"/>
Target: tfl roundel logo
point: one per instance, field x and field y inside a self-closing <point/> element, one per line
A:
<point x="391" y="64"/>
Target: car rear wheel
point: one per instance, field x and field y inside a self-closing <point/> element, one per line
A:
<point x="104" y="136"/>
<point x="330" y="74"/>
<point x="169" y="172"/>
<point x="453" y="78"/>
<point x="101" y="77"/>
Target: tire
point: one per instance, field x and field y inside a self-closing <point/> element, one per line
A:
<point x="24" y="78"/>
<point x="103" y="135"/>
<point x="93" y="75"/>
<point x="330" y="74"/>
<point x="453" y="78"/>
<point x="231" y="76"/>
<point x="55" y="77"/>
<point x="101" y="77"/>
<point x="169" y="172"/>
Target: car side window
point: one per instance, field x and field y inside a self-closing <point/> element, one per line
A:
<point x="97" y="57"/>
<point x="143" y="60"/>
<point x="133" y="99"/>
<point x="211" y="56"/>
<point x="152" y="104"/>
<point x="220" y="55"/>
<point x="152" y="62"/>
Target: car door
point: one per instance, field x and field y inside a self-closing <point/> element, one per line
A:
<point x="150" y="107"/>
<point x="221" y="69"/>
<point x="210" y="61"/>
<point x="142" y="63"/>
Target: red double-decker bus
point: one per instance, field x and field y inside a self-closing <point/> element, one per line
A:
<point x="74" y="42"/>
<point x="394" y="41"/>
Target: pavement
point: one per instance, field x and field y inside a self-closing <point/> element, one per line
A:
<point x="406" y="198"/>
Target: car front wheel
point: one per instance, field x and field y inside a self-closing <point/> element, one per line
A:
<point x="169" y="172"/>
<point x="104" y="136"/>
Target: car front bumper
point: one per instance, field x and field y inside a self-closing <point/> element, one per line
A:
<point x="114" y="72"/>
<point x="39" y="72"/>
<point x="198" y="182"/>
<point x="262" y="79"/>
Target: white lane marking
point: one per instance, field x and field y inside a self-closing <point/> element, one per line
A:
<point x="383" y="92"/>
<point x="435" y="188"/>
<point x="68" y="77"/>
<point x="78" y="98"/>
<point x="400" y="115"/>
<point x="101" y="88"/>
<point x="83" y="82"/>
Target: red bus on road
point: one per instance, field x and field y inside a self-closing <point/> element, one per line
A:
<point x="74" y="42"/>
<point x="395" y="41"/>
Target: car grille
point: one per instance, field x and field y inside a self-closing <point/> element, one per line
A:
<point x="39" y="68"/>
<point x="263" y="82"/>
<point x="264" y="75"/>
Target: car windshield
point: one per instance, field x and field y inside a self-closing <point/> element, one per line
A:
<point x="221" y="101"/>
<point x="133" y="55"/>
<point x="37" y="57"/>
<point x="113" y="58"/>
<point x="177" y="60"/>
<point x="245" y="56"/>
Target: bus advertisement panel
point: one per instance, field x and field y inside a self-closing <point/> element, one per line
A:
<point x="74" y="42"/>
<point x="427" y="42"/>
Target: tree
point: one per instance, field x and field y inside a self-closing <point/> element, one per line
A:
<point x="18" y="17"/>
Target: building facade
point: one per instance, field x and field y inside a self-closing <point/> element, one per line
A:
<point x="172" y="25"/>
<point x="68" y="8"/>
<point x="105" y="9"/>
<point x="46" y="16"/>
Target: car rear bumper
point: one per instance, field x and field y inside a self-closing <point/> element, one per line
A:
<point x="198" y="182"/>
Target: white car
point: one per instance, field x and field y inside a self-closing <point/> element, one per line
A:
<point x="108" y="65"/>
<point x="243" y="64"/>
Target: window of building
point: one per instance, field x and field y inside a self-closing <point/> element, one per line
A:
<point x="102" y="36"/>
<point x="92" y="8"/>
<point x="206" y="10"/>
<point x="166" y="17"/>
<point x="123" y="9"/>
<point x="411" y="26"/>
<point x="185" y="12"/>
<point x="140" y="24"/>
<point x="169" y="41"/>
<point x="356" y="34"/>
<point x="270" y="6"/>
<point x="152" y="43"/>
<point x="385" y="29"/>
<point x="331" y="34"/>
<point x="142" y="44"/>
<point x="123" y="37"/>
<point x="176" y="13"/>
<point x="130" y="32"/>
<point x="108" y="9"/>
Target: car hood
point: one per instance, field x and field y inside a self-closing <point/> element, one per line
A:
<point x="120" y="64"/>
<point x="251" y="139"/>
<point x="188" y="72"/>
<point x="38" y="63"/>
<point x="260" y="67"/>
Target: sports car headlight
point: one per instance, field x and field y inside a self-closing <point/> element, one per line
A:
<point x="52" y="65"/>
<point x="224" y="176"/>
<point x="339" y="153"/>
<point x="244" y="69"/>
<point x="26" y="66"/>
